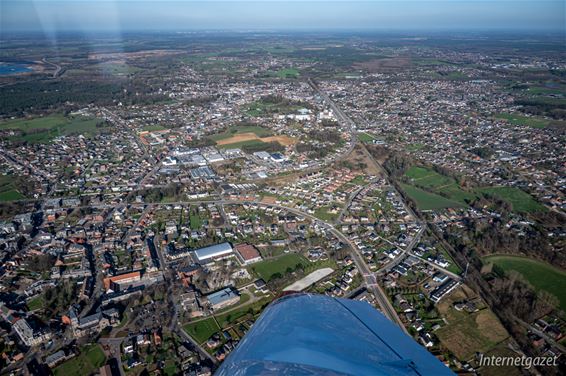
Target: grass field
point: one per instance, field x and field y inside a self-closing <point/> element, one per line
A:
<point x="36" y="303"/>
<point x="88" y="361"/>
<point x="365" y="137"/>
<point x="428" y="201"/>
<point x="226" y="319"/>
<point x="539" y="274"/>
<point x="202" y="330"/>
<point x="195" y="221"/>
<point x="10" y="195"/>
<point x="170" y="369"/>
<point x="466" y="333"/>
<point x="540" y="90"/>
<point x="520" y="200"/>
<point x="43" y="129"/>
<point x="517" y="119"/>
<point x="8" y="190"/>
<point x="287" y="73"/>
<point x="431" y="180"/>
<point x="263" y="108"/>
<point x="500" y="350"/>
<point x="432" y="190"/>
<point x="232" y="131"/>
<point x="325" y="215"/>
<point x="266" y="269"/>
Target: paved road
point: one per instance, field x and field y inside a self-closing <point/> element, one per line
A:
<point x="190" y="339"/>
<point x="57" y="67"/>
<point x="351" y="198"/>
<point x="342" y="118"/>
<point x="543" y="335"/>
<point x="114" y="345"/>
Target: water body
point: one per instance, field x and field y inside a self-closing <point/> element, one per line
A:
<point x="12" y="68"/>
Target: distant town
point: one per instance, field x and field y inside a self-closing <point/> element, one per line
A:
<point x="154" y="200"/>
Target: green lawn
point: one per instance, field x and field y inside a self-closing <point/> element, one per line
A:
<point x="520" y="200"/>
<point x="35" y="303"/>
<point x="202" y="330"/>
<point x="88" y="361"/>
<point x="226" y="319"/>
<point x="266" y="269"/>
<point x="428" y="201"/>
<point x="232" y="131"/>
<point x="529" y="121"/>
<point x="432" y="190"/>
<point x="170" y="367"/>
<point x="434" y="182"/>
<point x="365" y="137"/>
<point x="196" y="221"/>
<point x="11" y="195"/>
<point x="288" y="73"/>
<point x="323" y="214"/>
<point x="43" y="129"/>
<point x="539" y="90"/>
<point x="8" y="189"/>
<point x="358" y="180"/>
<point x="266" y="107"/>
<point x="541" y="275"/>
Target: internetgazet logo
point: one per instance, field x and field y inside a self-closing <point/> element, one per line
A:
<point x="518" y="361"/>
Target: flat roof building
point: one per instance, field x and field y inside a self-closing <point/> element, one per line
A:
<point x="262" y="155"/>
<point x="119" y="282"/>
<point x="247" y="254"/>
<point x="207" y="254"/>
<point x="223" y="298"/>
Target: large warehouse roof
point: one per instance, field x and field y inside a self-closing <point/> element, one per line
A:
<point x="216" y="250"/>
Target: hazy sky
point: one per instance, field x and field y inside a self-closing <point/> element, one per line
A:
<point x="398" y="15"/>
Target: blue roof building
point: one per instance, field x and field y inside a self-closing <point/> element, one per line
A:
<point x="223" y="298"/>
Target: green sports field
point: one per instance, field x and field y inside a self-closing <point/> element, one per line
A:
<point x="288" y="73"/>
<point x="541" y="275"/>
<point x="202" y="330"/>
<point x="428" y="201"/>
<point x="87" y="362"/>
<point x="520" y="200"/>
<point x="232" y="131"/>
<point x="267" y="269"/>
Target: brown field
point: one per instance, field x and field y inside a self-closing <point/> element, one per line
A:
<point x="467" y="333"/>
<point x="501" y="350"/>
<point x="359" y="156"/>
<point x="250" y="136"/>
<point x="384" y="65"/>
<point x="269" y="199"/>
